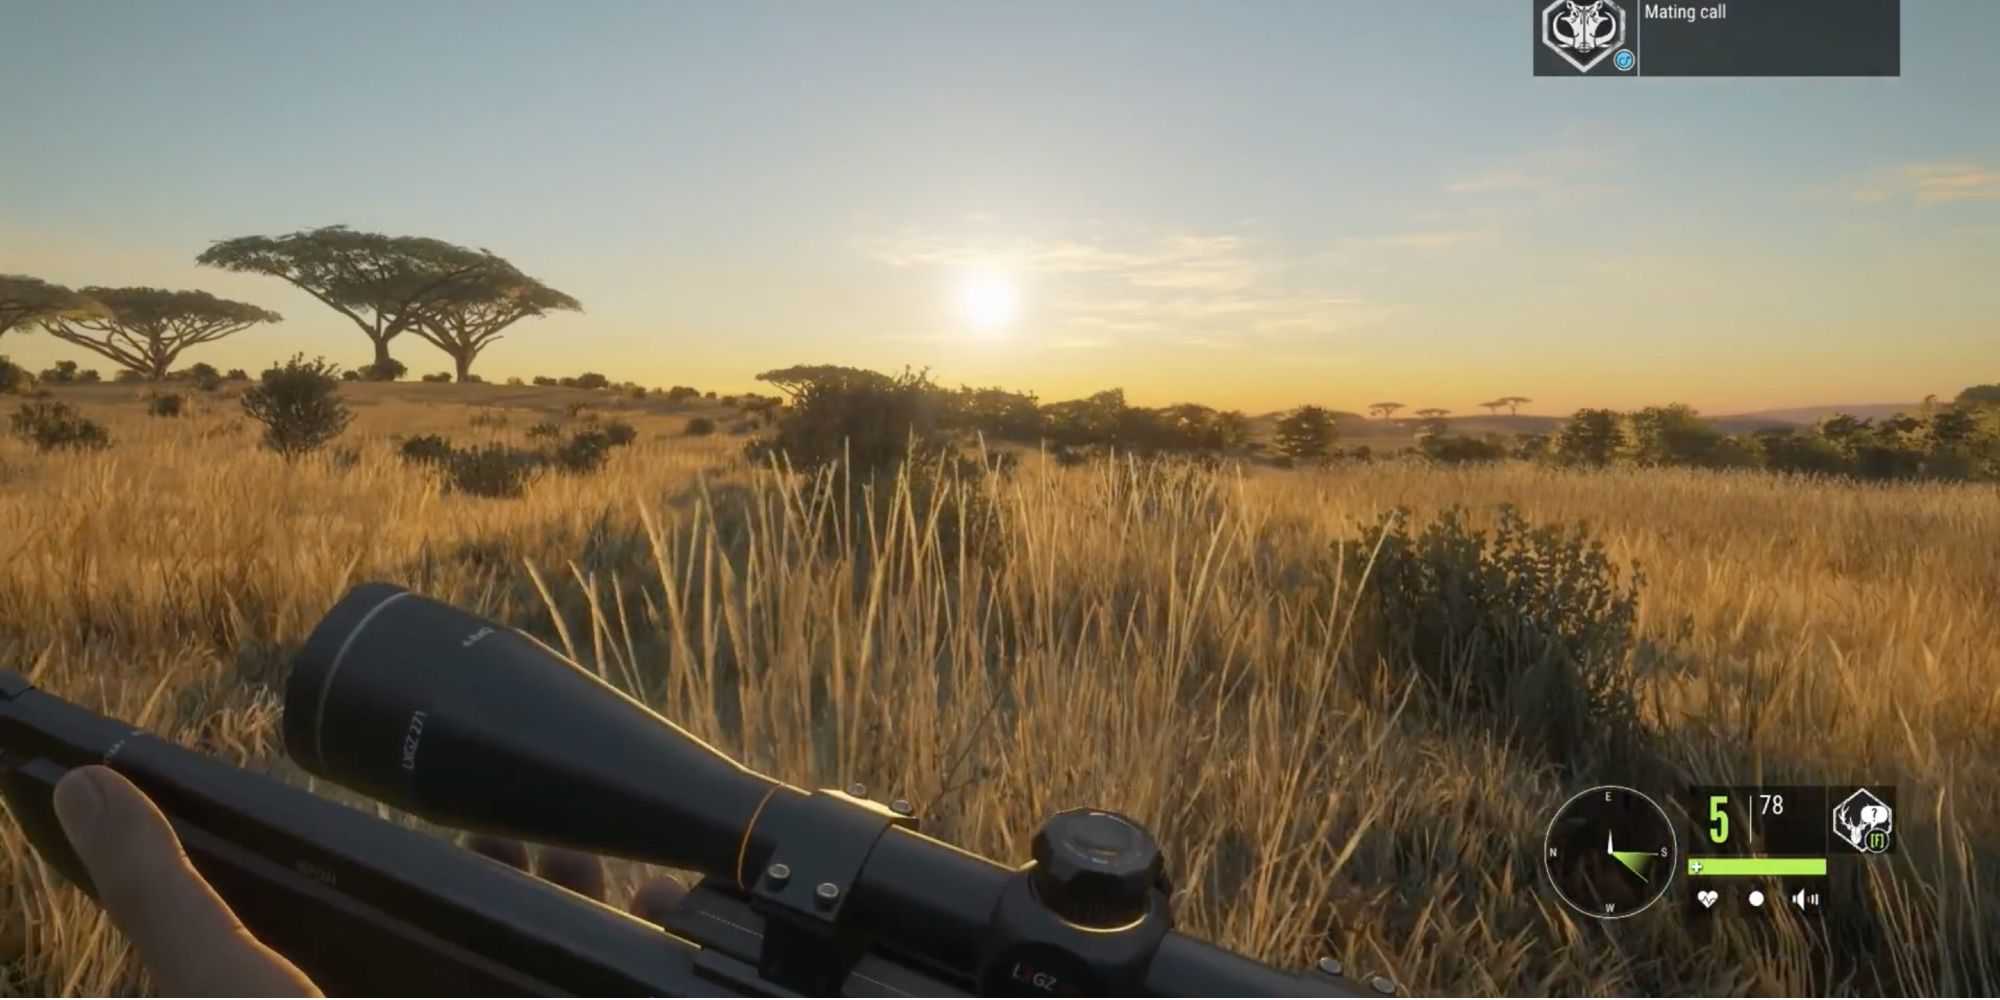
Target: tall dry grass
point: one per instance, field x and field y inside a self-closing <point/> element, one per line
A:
<point x="1145" y="640"/>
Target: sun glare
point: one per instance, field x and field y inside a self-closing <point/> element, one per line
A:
<point x="988" y="300"/>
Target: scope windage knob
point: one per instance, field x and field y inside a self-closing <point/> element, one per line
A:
<point x="1096" y="868"/>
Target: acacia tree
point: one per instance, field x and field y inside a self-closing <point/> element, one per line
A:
<point x="145" y="329"/>
<point x="1305" y="433"/>
<point x="378" y="282"/>
<point x="26" y="302"/>
<point x="470" y="313"/>
<point x="1513" y="404"/>
<point x="1384" y="410"/>
<point x="1494" y="405"/>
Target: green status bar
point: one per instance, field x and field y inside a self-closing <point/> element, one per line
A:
<point x="1725" y="866"/>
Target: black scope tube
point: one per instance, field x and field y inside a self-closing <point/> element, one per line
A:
<point x="475" y="725"/>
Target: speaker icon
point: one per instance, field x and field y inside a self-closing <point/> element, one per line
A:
<point x="1803" y="899"/>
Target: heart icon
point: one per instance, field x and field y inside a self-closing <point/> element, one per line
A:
<point x="1707" y="897"/>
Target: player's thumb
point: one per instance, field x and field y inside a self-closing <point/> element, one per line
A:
<point x="185" y="934"/>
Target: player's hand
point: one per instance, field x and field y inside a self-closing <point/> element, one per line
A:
<point x="184" y="933"/>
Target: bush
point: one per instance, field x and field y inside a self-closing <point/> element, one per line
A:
<point x="1530" y="625"/>
<point x="237" y="375"/>
<point x="167" y="405"/>
<point x="427" y="449"/>
<point x="351" y="375"/>
<point x="545" y="429"/>
<point x="471" y="379"/>
<point x="710" y="394"/>
<point x="202" y="371"/>
<point x="89" y="376"/>
<point x="590" y="380"/>
<point x="1455" y="449"/>
<point x="700" y="427"/>
<point x="13" y="377"/>
<point x="63" y="373"/>
<point x="872" y="425"/>
<point x="619" y="433"/>
<point x="57" y="426"/>
<point x="546" y="380"/>
<point x="514" y="380"/>
<point x="438" y="377"/>
<point x="495" y="471"/>
<point x="387" y="371"/>
<point x="128" y="375"/>
<point x="683" y="393"/>
<point x="584" y="453"/>
<point x="299" y="406"/>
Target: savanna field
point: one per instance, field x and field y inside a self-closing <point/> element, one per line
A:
<point x="1188" y="646"/>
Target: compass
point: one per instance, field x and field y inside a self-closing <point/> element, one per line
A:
<point x="1610" y="852"/>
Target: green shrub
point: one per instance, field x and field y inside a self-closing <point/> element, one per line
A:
<point x="57" y="426"/>
<point x="165" y="405"/>
<point x="13" y="377"/>
<point x="387" y="371"/>
<point x="585" y="452"/>
<point x="427" y="449"/>
<point x="1527" y="625"/>
<point x="619" y="433"/>
<point x="700" y="427"/>
<point x="545" y="429"/>
<point x="871" y="424"/>
<point x="299" y="406"/>
<point x="495" y="471"/>
<point x="1455" y="449"/>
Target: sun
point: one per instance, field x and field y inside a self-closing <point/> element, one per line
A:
<point x="988" y="300"/>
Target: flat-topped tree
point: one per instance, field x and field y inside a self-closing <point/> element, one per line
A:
<point x="26" y="302"/>
<point x="378" y="282"/>
<point x="1513" y="404"/>
<point x="1384" y="410"/>
<point x="1493" y="405"/>
<point x="145" y="329"/>
<point x="1433" y="413"/>
<point x="468" y="314"/>
<point x="794" y="381"/>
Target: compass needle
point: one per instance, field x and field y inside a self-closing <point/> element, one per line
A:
<point x="1579" y="873"/>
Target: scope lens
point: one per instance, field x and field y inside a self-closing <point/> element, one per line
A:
<point x="475" y="725"/>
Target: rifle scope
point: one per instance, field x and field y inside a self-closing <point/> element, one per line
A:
<point x="475" y="725"/>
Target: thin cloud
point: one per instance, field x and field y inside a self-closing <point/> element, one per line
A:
<point x="1195" y="289"/>
<point x="1925" y="184"/>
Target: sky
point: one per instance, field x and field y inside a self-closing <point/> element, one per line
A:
<point x="1251" y="205"/>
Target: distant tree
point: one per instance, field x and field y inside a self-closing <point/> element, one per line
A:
<point x="1305" y="433"/>
<point x="145" y="329"/>
<point x="469" y="314"/>
<point x="63" y="373"/>
<point x="1233" y="426"/>
<point x="1591" y="437"/>
<point x="1384" y="410"/>
<point x="1979" y="395"/>
<point x="378" y="282"/>
<point x="1952" y="428"/>
<point x="1494" y="405"/>
<point x="590" y="380"/>
<point x="1671" y="435"/>
<point x="1432" y="413"/>
<point x="1513" y="404"/>
<point x="796" y="380"/>
<point x="26" y="302"/>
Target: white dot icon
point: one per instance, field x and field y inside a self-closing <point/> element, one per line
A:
<point x="1756" y="897"/>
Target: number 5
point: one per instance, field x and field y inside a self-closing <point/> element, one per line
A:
<point x="1718" y="832"/>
